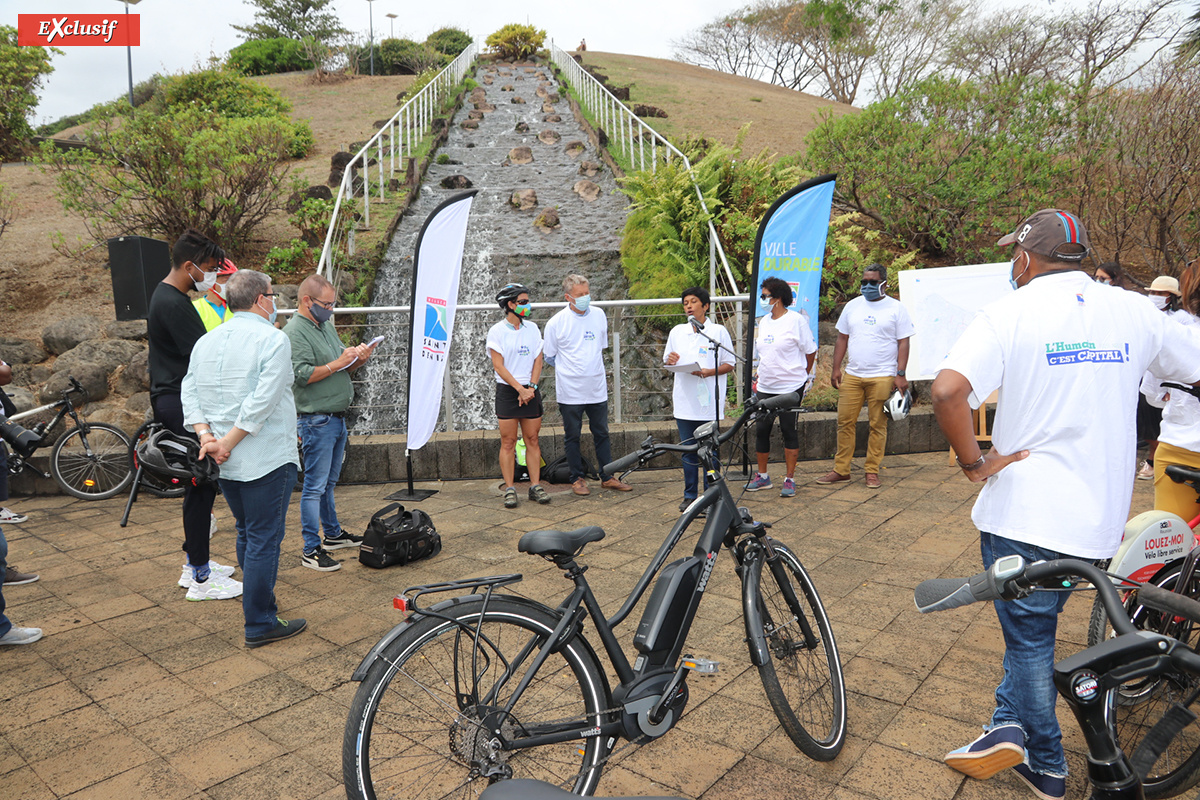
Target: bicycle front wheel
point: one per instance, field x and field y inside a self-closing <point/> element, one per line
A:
<point x="159" y="487"/>
<point x="91" y="462"/>
<point x="803" y="678"/>
<point x="421" y="725"/>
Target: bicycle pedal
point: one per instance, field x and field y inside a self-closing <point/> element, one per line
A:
<point x="701" y="665"/>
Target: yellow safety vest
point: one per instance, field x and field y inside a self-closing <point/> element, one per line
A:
<point x="208" y="314"/>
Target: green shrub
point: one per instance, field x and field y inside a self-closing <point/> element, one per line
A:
<point x="406" y="57"/>
<point x="294" y="258"/>
<point x="846" y="255"/>
<point x="312" y="220"/>
<point x="449" y="41"/>
<point x="268" y="57"/>
<point x="515" y="42"/>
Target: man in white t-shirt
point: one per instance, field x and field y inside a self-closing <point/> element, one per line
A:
<point x="1066" y="355"/>
<point x="574" y="345"/>
<point x="874" y="330"/>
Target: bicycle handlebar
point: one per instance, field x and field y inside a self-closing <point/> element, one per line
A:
<point x="652" y="449"/>
<point x="1010" y="578"/>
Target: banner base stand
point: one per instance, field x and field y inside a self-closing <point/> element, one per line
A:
<point x="737" y="477"/>
<point x="411" y="495"/>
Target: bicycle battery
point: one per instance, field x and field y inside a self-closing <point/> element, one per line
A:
<point x="664" y="614"/>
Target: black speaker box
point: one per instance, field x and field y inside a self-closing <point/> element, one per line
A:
<point x="138" y="265"/>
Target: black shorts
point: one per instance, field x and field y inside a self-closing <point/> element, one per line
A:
<point x="508" y="404"/>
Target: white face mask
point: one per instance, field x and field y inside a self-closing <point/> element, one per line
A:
<point x="207" y="282"/>
<point x="1160" y="301"/>
<point x="219" y="288"/>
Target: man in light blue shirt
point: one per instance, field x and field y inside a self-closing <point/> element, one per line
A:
<point x="237" y="397"/>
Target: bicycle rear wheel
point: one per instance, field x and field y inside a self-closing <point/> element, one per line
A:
<point x="156" y="486"/>
<point x="91" y="461"/>
<point x="1135" y="706"/>
<point x="420" y="726"/>
<point x="804" y="683"/>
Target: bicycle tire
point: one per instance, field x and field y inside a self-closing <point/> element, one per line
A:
<point x="410" y="734"/>
<point x="155" y="486"/>
<point x="809" y="698"/>
<point x="1136" y="706"/>
<point x="96" y="471"/>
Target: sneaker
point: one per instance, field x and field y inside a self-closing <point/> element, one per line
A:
<point x="215" y="588"/>
<point x="759" y="482"/>
<point x="832" y="476"/>
<point x="17" y="635"/>
<point x="1146" y="472"/>
<point x="789" y="488"/>
<point x="284" y="629"/>
<point x="684" y="505"/>
<point x="8" y="515"/>
<point x="320" y="561"/>
<point x="342" y="541"/>
<point x="510" y="497"/>
<point x="1047" y="787"/>
<point x="996" y="750"/>
<point x="220" y="570"/>
<point x="872" y="479"/>
<point x="538" y="492"/>
<point x="14" y="577"/>
<point x="212" y="525"/>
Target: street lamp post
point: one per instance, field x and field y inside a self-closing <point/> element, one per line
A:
<point x="392" y="25"/>
<point x="129" y="51"/>
<point x="372" y="34"/>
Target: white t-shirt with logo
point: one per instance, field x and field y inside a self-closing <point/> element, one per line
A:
<point x="1066" y="355"/>
<point x="576" y="342"/>
<point x="1181" y="414"/>
<point x="782" y="347"/>
<point x="875" y="329"/>
<point x="695" y="398"/>
<point x="518" y="346"/>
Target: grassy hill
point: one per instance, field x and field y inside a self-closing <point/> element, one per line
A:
<point x="701" y="101"/>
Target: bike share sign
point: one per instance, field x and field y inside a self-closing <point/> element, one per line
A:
<point x="1152" y="539"/>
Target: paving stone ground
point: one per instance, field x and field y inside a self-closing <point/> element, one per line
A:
<point x="136" y="693"/>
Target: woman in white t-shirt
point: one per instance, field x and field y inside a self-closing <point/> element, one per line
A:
<point x="698" y="396"/>
<point x="1179" y="433"/>
<point x="515" y="345"/>
<point x="1164" y="293"/>
<point x="785" y="350"/>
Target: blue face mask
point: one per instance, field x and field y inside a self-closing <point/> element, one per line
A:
<point x="871" y="291"/>
<point x="273" y="313"/>
<point x="522" y="310"/>
<point x="1013" y="281"/>
<point x="583" y="303"/>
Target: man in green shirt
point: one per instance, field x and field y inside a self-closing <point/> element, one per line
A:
<point x="322" y="366"/>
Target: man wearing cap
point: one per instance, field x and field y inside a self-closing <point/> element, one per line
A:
<point x="211" y="306"/>
<point x="321" y="367"/>
<point x="1066" y="354"/>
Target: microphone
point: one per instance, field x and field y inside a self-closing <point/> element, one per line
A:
<point x="696" y="326"/>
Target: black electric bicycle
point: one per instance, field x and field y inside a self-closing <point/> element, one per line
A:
<point x="89" y="461"/>
<point x="1091" y="681"/>
<point x="489" y="686"/>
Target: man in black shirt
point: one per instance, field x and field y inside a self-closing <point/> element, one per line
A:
<point x="173" y="326"/>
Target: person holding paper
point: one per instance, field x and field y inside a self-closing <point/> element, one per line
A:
<point x="785" y="350"/>
<point x="321" y="367"/>
<point x="699" y="395"/>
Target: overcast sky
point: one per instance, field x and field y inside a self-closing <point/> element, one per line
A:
<point x="177" y="34"/>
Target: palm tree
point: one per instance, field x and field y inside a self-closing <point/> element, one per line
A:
<point x="1189" y="48"/>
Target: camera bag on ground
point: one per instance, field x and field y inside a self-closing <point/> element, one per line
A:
<point x="402" y="537"/>
<point x="558" y="471"/>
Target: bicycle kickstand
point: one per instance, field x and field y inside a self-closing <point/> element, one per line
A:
<point x="133" y="493"/>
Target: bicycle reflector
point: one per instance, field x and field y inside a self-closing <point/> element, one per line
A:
<point x="400" y="603"/>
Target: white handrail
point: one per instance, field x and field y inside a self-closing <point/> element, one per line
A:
<point x="404" y="131"/>
<point x="610" y="111"/>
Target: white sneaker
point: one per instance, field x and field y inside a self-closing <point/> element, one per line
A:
<point x="17" y="635"/>
<point x="14" y="518"/>
<point x="220" y="570"/>
<point x="215" y="588"/>
<point x="1146" y="472"/>
<point x="212" y="525"/>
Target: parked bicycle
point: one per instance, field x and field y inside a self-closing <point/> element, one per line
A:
<point x="1091" y="681"/>
<point x="89" y="461"/>
<point x="489" y="686"/>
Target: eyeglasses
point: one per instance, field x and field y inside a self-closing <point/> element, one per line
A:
<point x="867" y="282"/>
<point x="766" y="298"/>
<point x="327" y="306"/>
<point x="270" y="294"/>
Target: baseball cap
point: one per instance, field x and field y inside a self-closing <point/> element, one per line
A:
<point x="227" y="268"/>
<point x="1045" y="231"/>
<point x="1165" y="283"/>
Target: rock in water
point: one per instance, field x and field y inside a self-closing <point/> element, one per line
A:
<point x="587" y="190"/>
<point x="520" y="155"/>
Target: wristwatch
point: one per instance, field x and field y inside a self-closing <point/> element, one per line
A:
<point x="899" y="373"/>
<point x="531" y="386"/>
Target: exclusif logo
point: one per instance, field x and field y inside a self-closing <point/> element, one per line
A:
<point x="78" y="30"/>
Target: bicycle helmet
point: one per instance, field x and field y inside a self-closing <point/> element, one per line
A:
<point x="898" y="405"/>
<point x="169" y="456"/>
<point x="510" y="293"/>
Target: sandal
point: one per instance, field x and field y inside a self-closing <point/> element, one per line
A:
<point x="510" y="497"/>
<point x="538" y="492"/>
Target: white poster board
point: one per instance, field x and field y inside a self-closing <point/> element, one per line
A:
<point x="942" y="302"/>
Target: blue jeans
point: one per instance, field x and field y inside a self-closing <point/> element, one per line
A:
<point x="597" y="414"/>
<point x="691" y="461"/>
<point x="323" y="439"/>
<point x="5" y="625"/>
<point x="1026" y="696"/>
<point x="260" y="510"/>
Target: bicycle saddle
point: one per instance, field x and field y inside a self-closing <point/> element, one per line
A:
<point x="1182" y="474"/>
<point x="559" y="543"/>
<point x="525" y="789"/>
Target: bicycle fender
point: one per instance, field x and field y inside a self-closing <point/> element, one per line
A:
<point x="756" y="639"/>
<point x="395" y="632"/>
